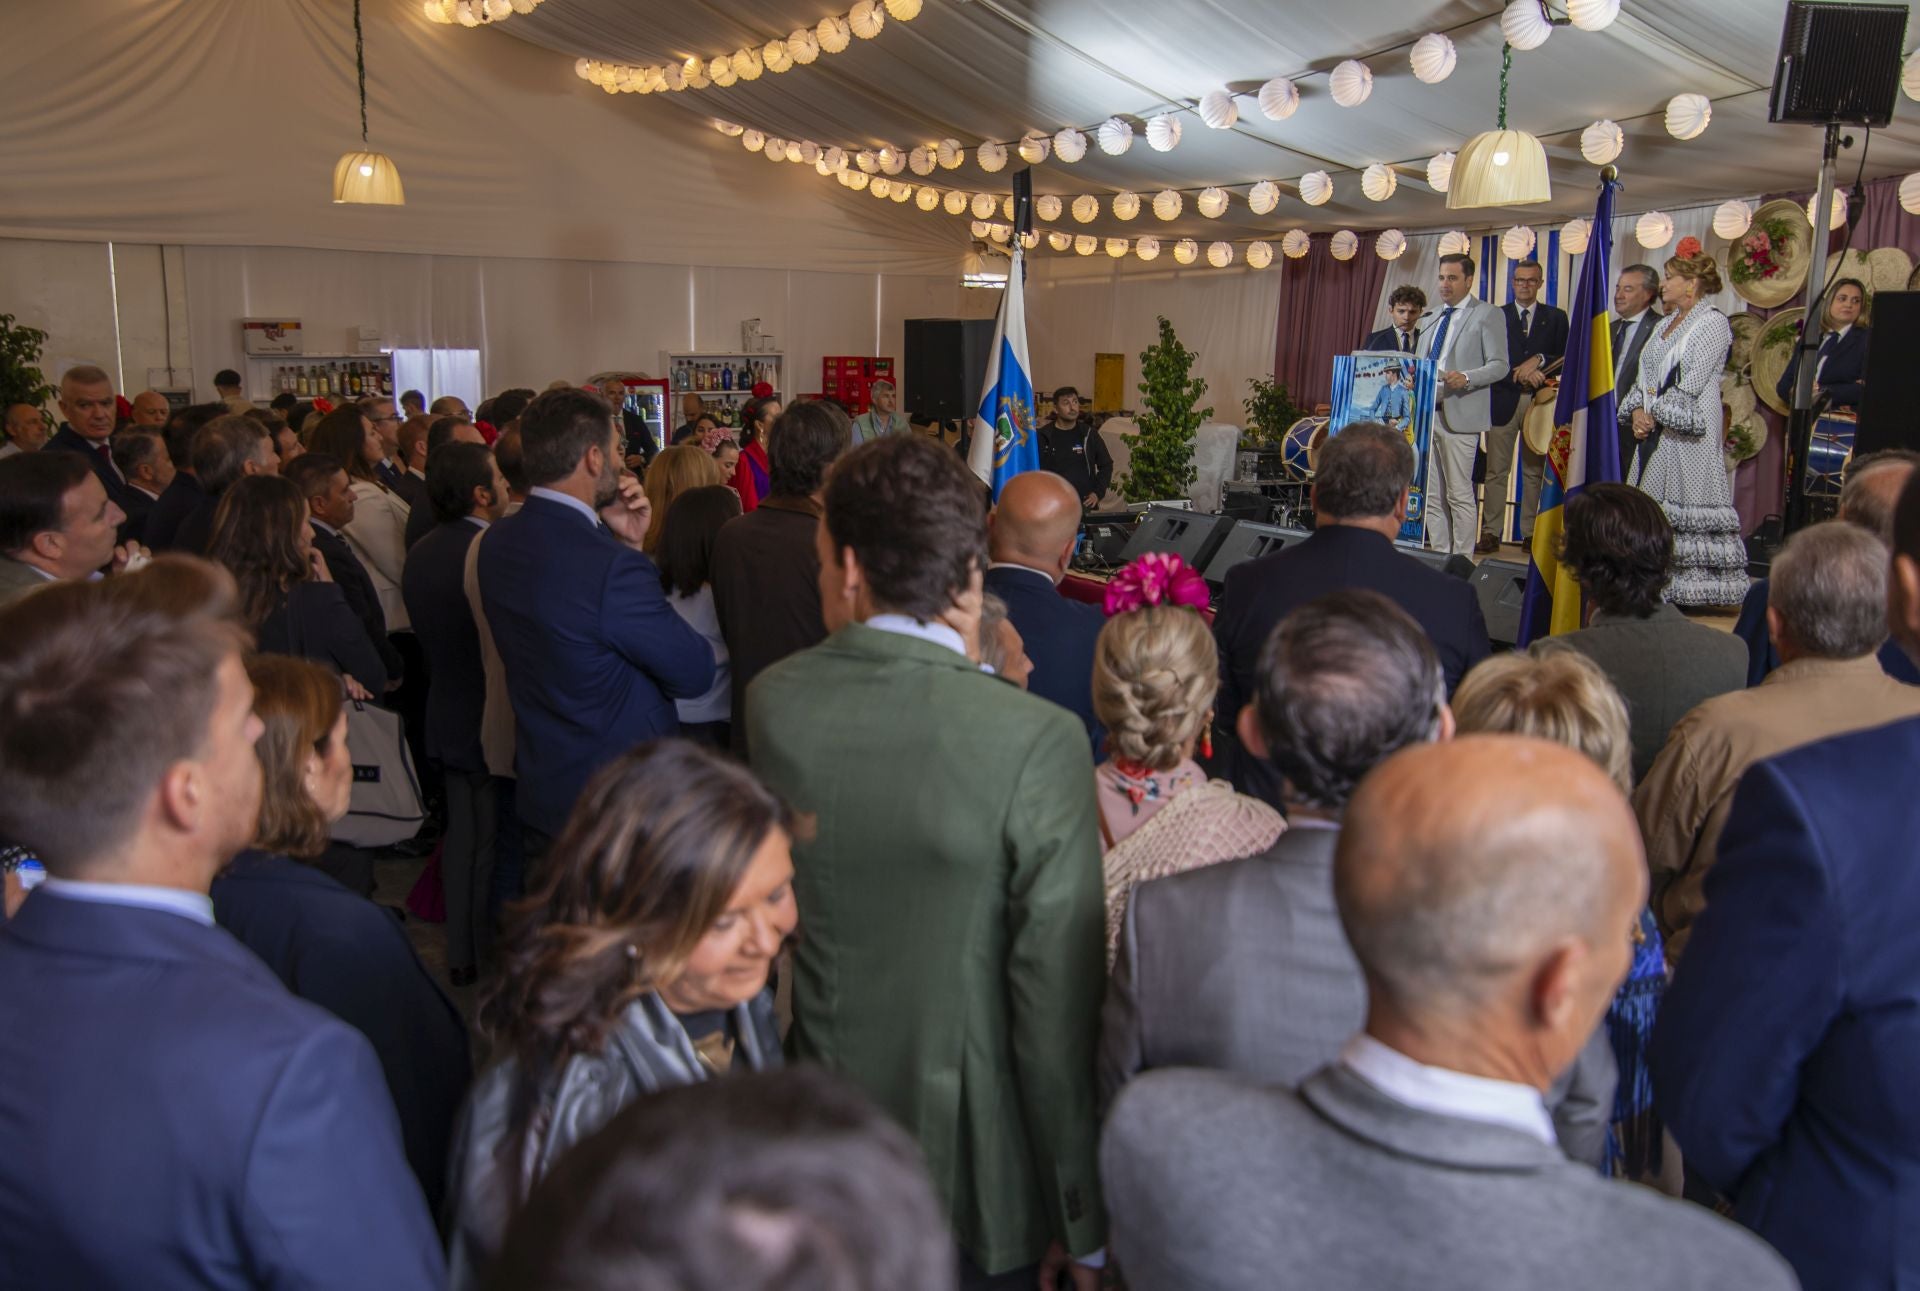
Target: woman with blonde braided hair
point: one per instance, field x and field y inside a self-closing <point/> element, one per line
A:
<point x="1155" y="672"/>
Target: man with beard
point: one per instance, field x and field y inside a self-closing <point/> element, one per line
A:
<point x="593" y="653"/>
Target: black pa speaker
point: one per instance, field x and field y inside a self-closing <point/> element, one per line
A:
<point x="1501" y="586"/>
<point x="1446" y="562"/>
<point x="1839" y="63"/>
<point x="946" y="365"/>
<point x="1888" y="400"/>
<point x="1248" y="540"/>
<point x="1191" y="535"/>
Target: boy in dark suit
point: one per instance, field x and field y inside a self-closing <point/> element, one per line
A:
<point x="1405" y="305"/>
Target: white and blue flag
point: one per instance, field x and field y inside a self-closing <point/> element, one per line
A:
<point x="1003" y="425"/>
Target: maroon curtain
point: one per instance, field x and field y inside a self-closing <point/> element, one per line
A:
<point x="1326" y="308"/>
<point x="1760" y="486"/>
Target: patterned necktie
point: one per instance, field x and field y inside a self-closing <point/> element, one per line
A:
<point x="1438" y="345"/>
<point x="1526" y="320"/>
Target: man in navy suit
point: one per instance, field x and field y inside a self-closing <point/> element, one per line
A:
<point x="1636" y="297"/>
<point x="322" y="481"/>
<point x="174" y="1117"/>
<point x="1359" y="504"/>
<point x="1841" y="373"/>
<point x="593" y="653"/>
<point x="1536" y="336"/>
<point x="468" y="494"/>
<point x="1031" y="538"/>
<point x="1784" y="1056"/>
<point x="1405" y="306"/>
<point x="89" y="412"/>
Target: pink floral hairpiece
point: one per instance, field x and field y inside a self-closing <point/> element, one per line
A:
<point x="1157" y="578"/>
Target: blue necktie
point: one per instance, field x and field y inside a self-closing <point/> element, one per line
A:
<point x="1406" y="342"/>
<point x="1440" y="334"/>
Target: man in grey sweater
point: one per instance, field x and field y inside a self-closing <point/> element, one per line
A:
<point x="1487" y="888"/>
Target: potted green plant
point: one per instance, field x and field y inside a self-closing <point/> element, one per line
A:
<point x="1161" y="462"/>
<point x="1271" y="412"/>
<point x="21" y="380"/>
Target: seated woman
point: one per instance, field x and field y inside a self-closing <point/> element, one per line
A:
<point x="641" y="963"/>
<point x="1563" y="696"/>
<point x="673" y="472"/>
<point x="328" y="944"/>
<point x="685" y="557"/>
<point x="1841" y="373"/>
<point x="287" y="597"/>
<point x="1155" y="673"/>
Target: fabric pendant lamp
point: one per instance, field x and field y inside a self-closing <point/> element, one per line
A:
<point x="1501" y="166"/>
<point x="363" y="177"/>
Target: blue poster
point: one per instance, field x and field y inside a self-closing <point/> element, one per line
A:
<point x="1397" y="390"/>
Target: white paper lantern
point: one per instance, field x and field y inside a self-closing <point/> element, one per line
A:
<point x="1653" y="230"/>
<point x="693" y="73"/>
<point x="1186" y="251"/>
<point x="437" y="13"/>
<point x="1126" y="205"/>
<point x="1263" y="197"/>
<point x="1220" y="254"/>
<point x="866" y="18"/>
<point x="1524" y="23"/>
<point x="803" y="45"/>
<point x="1279" y="98"/>
<point x="1034" y="147"/>
<point x="900" y="192"/>
<point x="1086" y="244"/>
<point x="1147" y="248"/>
<point x="1351" y="83"/>
<point x="1117" y="247"/>
<point x="722" y="72"/>
<point x="752" y="140"/>
<point x="1910" y="194"/>
<point x="1006" y="207"/>
<point x="746" y="64"/>
<point x="1259" y="254"/>
<point x="1601" y="142"/>
<point x="809" y="152"/>
<point x="1316" y="188"/>
<point x="1378" y="181"/>
<point x="1344" y="245"/>
<point x="1440" y="171"/>
<point x="822" y="168"/>
<point x="1836" y="215"/>
<point x="775" y="56"/>
<point x="950" y="154"/>
<point x="1163" y="133"/>
<point x="866" y="161"/>
<point x="525" y="6"/>
<point x="956" y="202"/>
<point x="1070" y="145"/>
<point x="467" y="13"/>
<point x="1030" y="239"/>
<point x="1455" y="243"/>
<point x="1517" y="242"/>
<point x="1086" y="208"/>
<point x="1593" y="15"/>
<point x="729" y="129"/>
<point x="497" y="10"/>
<point x="855" y="179"/>
<point x="1732" y="219"/>
<point x="776" y="150"/>
<point x="920" y="160"/>
<point x="903" y="10"/>
<point x="834" y="34"/>
<point x="1433" y="57"/>
<point x="992" y="157"/>
<point x="1575" y="236"/>
<point x="1059" y="241"/>
<point x="891" y="159"/>
<point x="1212" y="202"/>
<point x="1295" y="244"/>
<point x="983" y="205"/>
<point x="1000" y="233"/>
<point x="1910" y="75"/>
<point x="1391" y="244"/>
<point x="1167" y="204"/>
<point x="1047" y="207"/>
<point x="675" y="77"/>
<point x="1218" y="110"/>
<point x="881" y="186"/>
<point x="1688" y="115"/>
<point x="1116" y="136"/>
<point x="927" y="199"/>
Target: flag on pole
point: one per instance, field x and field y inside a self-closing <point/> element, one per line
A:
<point x="1586" y="436"/>
<point x="1003" y="425"/>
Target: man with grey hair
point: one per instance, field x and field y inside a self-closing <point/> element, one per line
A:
<point x="1486" y="888"/>
<point x="1826" y="616"/>
<point x="883" y="418"/>
<point x="26" y="430"/>
<point x="1636" y="311"/>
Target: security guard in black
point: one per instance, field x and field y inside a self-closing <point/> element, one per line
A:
<point x="1071" y="448"/>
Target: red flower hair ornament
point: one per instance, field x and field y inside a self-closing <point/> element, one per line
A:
<point x="1689" y="247"/>
<point x="323" y="406"/>
<point x="1157" y="578"/>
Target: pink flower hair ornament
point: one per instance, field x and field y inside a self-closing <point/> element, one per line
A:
<point x="1157" y="578"/>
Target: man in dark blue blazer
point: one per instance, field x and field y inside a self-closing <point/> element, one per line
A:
<point x="594" y="655"/>
<point x="1536" y="336"/>
<point x="1031" y="538"/>
<point x="89" y="412"/>
<point x="1842" y="355"/>
<point x="1359" y="503"/>
<point x="322" y="481"/>
<point x="1784" y="1057"/>
<point x="174" y="1117"/>
<point x="1404" y="306"/>
<point x="467" y="493"/>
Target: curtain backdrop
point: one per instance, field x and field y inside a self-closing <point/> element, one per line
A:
<point x="1327" y="307"/>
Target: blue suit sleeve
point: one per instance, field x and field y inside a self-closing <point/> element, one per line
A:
<point x="1758" y="988"/>
<point x="330" y="1200"/>
<point x="644" y="629"/>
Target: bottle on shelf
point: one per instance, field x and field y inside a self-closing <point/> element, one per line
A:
<point x="726" y="375"/>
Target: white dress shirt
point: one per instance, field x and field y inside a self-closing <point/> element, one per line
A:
<point x="197" y="906"/>
<point x="1448" y="1093"/>
<point x="566" y="499"/>
<point x="907" y="626"/>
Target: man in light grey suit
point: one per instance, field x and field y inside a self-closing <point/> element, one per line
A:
<point x="1469" y="347"/>
<point x="1244" y="967"/>
<point x="1487" y="888"/>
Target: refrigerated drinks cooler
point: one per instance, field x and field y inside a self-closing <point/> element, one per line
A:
<point x="648" y="398"/>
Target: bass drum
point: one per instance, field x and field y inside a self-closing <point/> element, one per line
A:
<point x="1829" y="452"/>
<point x="1300" y="450"/>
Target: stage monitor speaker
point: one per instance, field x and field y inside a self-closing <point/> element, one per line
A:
<point x="1191" y="535"/>
<point x="1888" y="400"/>
<point x="1446" y="562"/>
<point x="946" y="366"/>
<point x="1501" y="586"/>
<point x="1839" y="64"/>
<point x="1248" y="540"/>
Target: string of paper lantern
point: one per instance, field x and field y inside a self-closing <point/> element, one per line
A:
<point x="798" y="48"/>
<point x="475" y="13"/>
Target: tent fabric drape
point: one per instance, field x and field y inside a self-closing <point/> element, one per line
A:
<point x="1326" y="308"/>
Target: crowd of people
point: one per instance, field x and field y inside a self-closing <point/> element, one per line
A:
<point x="849" y="909"/>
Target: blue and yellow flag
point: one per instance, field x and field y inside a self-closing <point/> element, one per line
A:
<point x="1586" y="435"/>
<point x="1004" y="442"/>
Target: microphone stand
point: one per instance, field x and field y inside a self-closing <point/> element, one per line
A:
<point x="1800" y="421"/>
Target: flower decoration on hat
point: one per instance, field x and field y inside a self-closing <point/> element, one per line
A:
<point x="1157" y="578"/>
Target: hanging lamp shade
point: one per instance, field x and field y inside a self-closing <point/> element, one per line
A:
<point x="1499" y="168"/>
<point x="1344" y="244"/>
<point x="1126" y="205"/>
<point x="367" y="179"/>
<point x="1047" y="207"/>
<point x="1259" y="254"/>
<point x="1263" y="197"/>
<point x="1296" y="244"/>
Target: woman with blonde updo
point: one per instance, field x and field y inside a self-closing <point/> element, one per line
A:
<point x="1155" y="671"/>
<point x="1672" y="410"/>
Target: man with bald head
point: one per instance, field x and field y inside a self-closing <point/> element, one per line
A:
<point x="150" y="408"/>
<point x="26" y="430"/>
<point x="1031" y="538"/>
<point x="1488" y="888"/>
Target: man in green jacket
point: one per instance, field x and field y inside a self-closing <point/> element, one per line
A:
<point x="951" y="956"/>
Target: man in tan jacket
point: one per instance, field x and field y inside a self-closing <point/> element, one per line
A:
<point x="1827" y="615"/>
